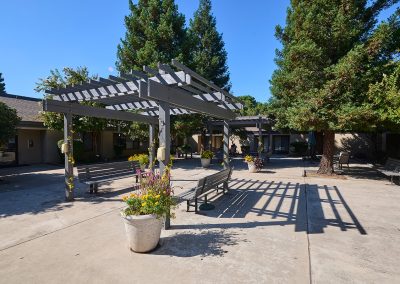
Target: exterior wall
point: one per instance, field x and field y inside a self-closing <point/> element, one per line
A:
<point x="358" y="144"/>
<point x="26" y="154"/>
<point x="106" y="144"/>
<point x="49" y="146"/>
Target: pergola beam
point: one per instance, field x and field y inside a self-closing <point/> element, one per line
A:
<point x="183" y="99"/>
<point x="83" y="110"/>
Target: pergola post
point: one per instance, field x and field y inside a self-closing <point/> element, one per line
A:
<point x="260" y="142"/>
<point x="226" y="144"/>
<point x="165" y="140"/>
<point x="151" y="145"/>
<point x="68" y="153"/>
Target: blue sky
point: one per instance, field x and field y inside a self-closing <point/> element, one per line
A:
<point x="36" y="36"/>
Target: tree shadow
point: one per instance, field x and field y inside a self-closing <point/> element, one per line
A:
<point x="204" y="243"/>
<point x="310" y="208"/>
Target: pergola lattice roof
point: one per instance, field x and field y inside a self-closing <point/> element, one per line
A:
<point x="141" y="92"/>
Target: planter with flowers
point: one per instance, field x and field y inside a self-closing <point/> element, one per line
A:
<point x="206" y="157"/>
<point x="146" y="209"/>
<point x="255" y="164"/>
<point x="142" y="159"/>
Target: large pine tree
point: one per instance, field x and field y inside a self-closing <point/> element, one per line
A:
<point x="2" y="85"/>
<point x="332" y="51"/>
<point x="155" y="32"/>
<point x="208" y="54"/>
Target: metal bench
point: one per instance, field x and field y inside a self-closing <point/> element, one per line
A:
<point x="98" y="173"/>
<point x="391" y="168"/>
<point x="205" y="186"/>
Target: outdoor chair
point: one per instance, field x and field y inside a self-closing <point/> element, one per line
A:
<point x="343" y="158"/>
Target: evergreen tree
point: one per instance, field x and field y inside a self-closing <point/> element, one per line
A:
<point x="155" y="32"/>
<point x="332" y="51"/>
<point x="209" y="57"/>
<point x="2" y="85"/>
<point x="55" y="121"/>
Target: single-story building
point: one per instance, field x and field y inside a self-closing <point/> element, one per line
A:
<point x="34" y="143"/>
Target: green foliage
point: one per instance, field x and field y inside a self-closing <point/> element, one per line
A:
<point x="385" y="100"/>
<point x="209" y="57"/>
<point x="186" y="125"/>
<point x="78" y="147"/>
<point x="142" y="159"/>
<point x="8" y="123"/>
<point x="155" y="32"/>
<point x="69" y="76"/>
<point x="2" y="85"/>
<point x="207" y="154"/>
<point x="332" y="52"/>
<point x="251" y="107"/>
<point x="299" y="147"/>
<point x="155" y="196"/>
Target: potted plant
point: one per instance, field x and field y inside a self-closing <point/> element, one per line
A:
<point x="206" y="157"/>
<point x="143" y="216"/>
<point x="254" y="164"/>
<point x="142" y="159"/>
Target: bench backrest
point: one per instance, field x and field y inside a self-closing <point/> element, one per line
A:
<point x="344" y="157"/>
<point x="391" y="164"/>
<point x="212" y="181"/>
<point x="106" y="171"/>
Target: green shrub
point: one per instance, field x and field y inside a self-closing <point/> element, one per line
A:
<point x="299" y="147"/>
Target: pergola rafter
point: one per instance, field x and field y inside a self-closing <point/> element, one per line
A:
<point x="149" y="97"/>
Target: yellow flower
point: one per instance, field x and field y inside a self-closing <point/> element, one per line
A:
<point x="158" y="196"/>
<point x="144" y="204"/>
<point x="124" y="198"/>
<point x="156" y="203"/>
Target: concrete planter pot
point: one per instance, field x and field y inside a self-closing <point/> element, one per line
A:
<point x="143" y="231"/>
<point x="205" y="163"/>
<point x="252" y="167"/>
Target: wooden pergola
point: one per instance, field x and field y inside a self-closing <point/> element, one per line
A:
<point x="148" y="97"/>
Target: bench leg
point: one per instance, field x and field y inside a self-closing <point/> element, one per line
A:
<point x="187" y="205"/>
<point x="96" y="187"/>
<point x="91" y="188"/>
<point x="137" y="178"/>
<point x="195" y="205"/>
<point x="205" y="199"/>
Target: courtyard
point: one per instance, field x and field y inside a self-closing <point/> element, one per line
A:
<point x="272" y="226"/>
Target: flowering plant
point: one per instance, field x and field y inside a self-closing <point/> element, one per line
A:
<point x="143" y="159"/>
<point x="207" y="154"/>
<point x="249" y="159"/>
<point x="155" y="196"/>
<point x="258" y="163"/>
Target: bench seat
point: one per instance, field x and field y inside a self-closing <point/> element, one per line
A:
<point x="95" y="174"/>
<point x="205" y="186"/>
<point x="391" y="168"/>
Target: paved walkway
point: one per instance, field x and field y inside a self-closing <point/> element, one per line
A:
<point x="274" y="226"/>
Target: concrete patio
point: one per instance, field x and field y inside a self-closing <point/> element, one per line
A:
<point x="274" y="226"/>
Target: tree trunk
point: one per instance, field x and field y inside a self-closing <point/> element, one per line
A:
<point x="326" y="165"/>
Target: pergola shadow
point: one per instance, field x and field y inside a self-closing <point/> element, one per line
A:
<point x="310" y="208"/>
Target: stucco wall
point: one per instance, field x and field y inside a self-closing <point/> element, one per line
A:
<point x="106" y="144"/>
<point x="358" y="144"/>
<point x="49" y="146"/>
<point x="26" y="154"/>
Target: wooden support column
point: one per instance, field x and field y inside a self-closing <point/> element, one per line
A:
<point x="151" y="145"/>
<point x="226" y="144"/>
<point x="69" y="167"/>
<point x="260" y="140"/>
<point x="165" y="140"/>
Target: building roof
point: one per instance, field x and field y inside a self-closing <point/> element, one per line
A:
<point x="27" y="108"/>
